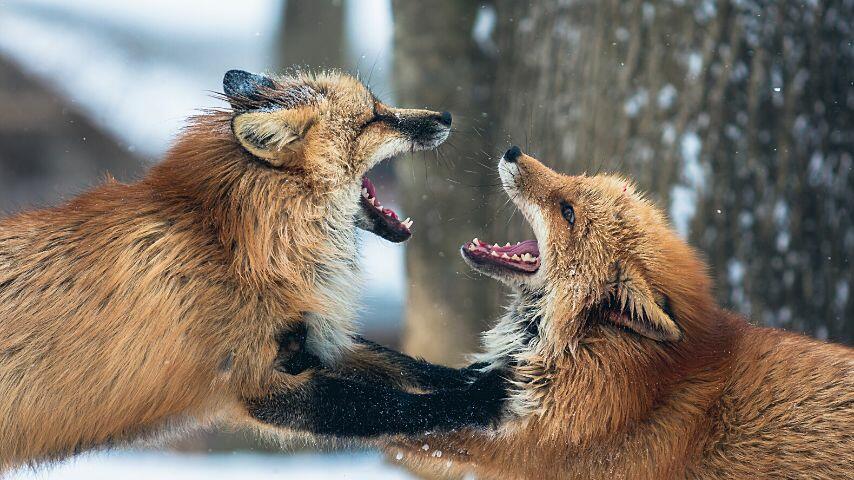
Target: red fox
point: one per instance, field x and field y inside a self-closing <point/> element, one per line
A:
<point x="623" y="366"/>
<point x="216" y="287"/>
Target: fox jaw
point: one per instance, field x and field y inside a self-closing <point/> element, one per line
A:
<point x="324" y="132"/>
<point x="598" y="247"/>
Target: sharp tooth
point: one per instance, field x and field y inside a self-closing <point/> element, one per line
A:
<point x="508" y="244"/>
<point x="526" y="257"/>
<point x="504" y="255"/>
<point x="409" y="223"/>
<point x="476" y="241"/>
<point x="516" y="257"/>
<point x="365" y="193"/>
<point x="494" y="245"/>
<point x="494" y="253"/>
<point x="388" y="213"/>
<point x="472" y="247"/>
<point x="373" y="201"/>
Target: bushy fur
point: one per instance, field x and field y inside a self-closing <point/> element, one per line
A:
<point x="138" y="308"/>
<point x="606" y="391"/>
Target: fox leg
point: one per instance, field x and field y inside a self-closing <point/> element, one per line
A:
<point x="370" y="362"/>
<point x="329" y="405"/>
<point x="373" y="362"/>
<point x="364" y="396"/>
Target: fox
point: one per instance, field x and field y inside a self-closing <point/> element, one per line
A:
<point x="622" y="365"/>
<point x="221" y="287"/>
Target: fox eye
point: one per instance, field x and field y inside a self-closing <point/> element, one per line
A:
<point x="568" y="212"/>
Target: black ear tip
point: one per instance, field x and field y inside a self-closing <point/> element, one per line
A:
<point x="241" y="82"/>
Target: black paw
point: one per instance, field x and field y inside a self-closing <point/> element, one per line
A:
<point x="487" y="397"/>
<point x="292" y="357"/>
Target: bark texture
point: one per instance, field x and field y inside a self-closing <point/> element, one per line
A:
<point x="438" y="65"/>
<point x="734" y="116"/>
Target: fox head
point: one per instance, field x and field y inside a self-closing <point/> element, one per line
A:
<point x="280" y="176"/>
<point x="323" y="132"/>
<point x="603" y="255"/>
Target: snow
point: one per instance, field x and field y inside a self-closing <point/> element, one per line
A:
<point x="138" y="68"/>
<point x="369" y="28"/>
<point x="129" y="465"/>
<point x="667" y="96"/>
<point x="685" y="195"/>
<point x="636" y="102"/>
<point x="484" y="25"/>
<point x="695" y="64"/>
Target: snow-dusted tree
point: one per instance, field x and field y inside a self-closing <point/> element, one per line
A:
<point x="438" y="64"/>
<point x="735" y="116"/>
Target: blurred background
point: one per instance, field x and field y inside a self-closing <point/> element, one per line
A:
<point x="735" y="116"/>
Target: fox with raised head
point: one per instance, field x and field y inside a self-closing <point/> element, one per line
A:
<point x="623" y="365"/>
<point x="216" y="287"/>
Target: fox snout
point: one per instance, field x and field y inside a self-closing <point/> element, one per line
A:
<point x="424" y="128"/>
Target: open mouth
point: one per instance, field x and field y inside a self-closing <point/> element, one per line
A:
<point x="521" y="258"/>
<point x="380" y="220"/>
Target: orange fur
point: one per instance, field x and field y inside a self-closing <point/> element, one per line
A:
<point x="137" y="309"/>
<point x="596" y="400"/>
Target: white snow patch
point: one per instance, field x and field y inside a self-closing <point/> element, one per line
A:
<point x="666" y="96"/>
<point x="683" y="207"/>
<point x="684" y="196"/>
<point x="695" y="64"/>
<point x="369" y="29"/>
<point x="483" y="27"/>
<point x="636" y="102"/>
<point x="173" y="466"/>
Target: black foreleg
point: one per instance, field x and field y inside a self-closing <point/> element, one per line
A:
<point x="329" y="405"/>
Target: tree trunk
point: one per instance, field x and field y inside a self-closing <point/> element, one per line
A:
<point x="736" y="117"/>
<point x="438" y="65"/>
<point x="312" y="34"/>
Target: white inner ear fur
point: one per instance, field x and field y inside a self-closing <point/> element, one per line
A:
<point x="265" y="135"/>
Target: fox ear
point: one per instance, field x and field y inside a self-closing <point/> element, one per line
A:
<point x="275" y="136"/>
<point x="634" y="305"/>
<point x="240" y="86"/>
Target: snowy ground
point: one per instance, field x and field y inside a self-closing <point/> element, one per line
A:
<point x="135" y="465"/>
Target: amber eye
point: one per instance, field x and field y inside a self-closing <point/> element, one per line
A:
<point x="568" y="212"/>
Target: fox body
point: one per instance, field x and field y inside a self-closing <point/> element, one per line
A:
<point x="623" y="365"/>
<point x="138" y="309"/>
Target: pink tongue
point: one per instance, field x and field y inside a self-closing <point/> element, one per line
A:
<point x="366" y="184"/>
<point x="528" y="246"/>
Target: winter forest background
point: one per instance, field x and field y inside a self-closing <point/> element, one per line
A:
<point x="735" y="116"/>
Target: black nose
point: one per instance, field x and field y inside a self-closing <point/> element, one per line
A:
<point x="445" y="119"/>
<point x="512" y="154"/>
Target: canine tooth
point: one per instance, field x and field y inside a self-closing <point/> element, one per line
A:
<point x="476" y="241"/>
<point x="526" y="257"/>
<point x="516" y="257"/>
<point x="494" y="253"/>
<point x="365" y="193"/>
<point x="508" y="244"/>
<point x="410" y="224"/>
<point x="472" y="247"/>
<point x="494" y="245"/>
<point x="504" y="255"/>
